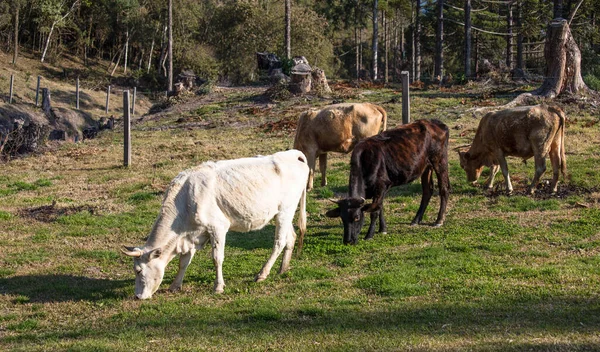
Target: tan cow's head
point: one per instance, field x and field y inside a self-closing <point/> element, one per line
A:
<point x="149" y="267"/>
<point x="472" y="166"/>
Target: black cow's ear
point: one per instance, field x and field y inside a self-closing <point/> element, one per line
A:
<point x="333" y="213"/>
<point x="367" y="208"/>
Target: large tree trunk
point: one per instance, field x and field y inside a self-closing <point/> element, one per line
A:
<point x="439" y="43"/>
<point x="375" y="37"/>
<point x="467" y="53"/>
<point x="288" y="29"/>
<point x="563" y="61"/>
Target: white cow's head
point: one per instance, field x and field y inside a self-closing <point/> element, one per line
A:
<point x="149" y="267"/>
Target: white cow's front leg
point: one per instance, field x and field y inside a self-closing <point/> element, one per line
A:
<point x="289" y="249"/>
<point x="218" y="254"/>
<point x="184" y="260"/>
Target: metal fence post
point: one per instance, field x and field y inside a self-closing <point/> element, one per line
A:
<point x="107" y="98"/>
<point x="126" y="130"/>
<point x="405" y="98"/>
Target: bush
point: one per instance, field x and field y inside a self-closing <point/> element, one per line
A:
<point x="592" y="81"/>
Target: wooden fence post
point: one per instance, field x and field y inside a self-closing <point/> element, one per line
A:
<point x="12" y="81"/>
<point x="405" y="98"/>
<point x="107" y="98"/>
<point x="133" y="102"/>
<point x="77" y="94"/>
<point x="37" y="91"/>
<point x="126" y="130"/>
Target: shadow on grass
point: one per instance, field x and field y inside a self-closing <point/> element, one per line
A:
<point x="260" y="320"/>
<point x="61" y="288"/>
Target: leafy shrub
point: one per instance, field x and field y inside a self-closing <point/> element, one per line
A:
<point x="592" y="81"/>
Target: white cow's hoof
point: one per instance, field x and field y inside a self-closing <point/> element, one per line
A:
<point x="219" y="289"/>
<point x="260" y="278"/>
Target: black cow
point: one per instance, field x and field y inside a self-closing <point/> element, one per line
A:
<point x="392" y="158"/>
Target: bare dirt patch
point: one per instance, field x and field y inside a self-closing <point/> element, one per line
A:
<point x="49" y="213"/>
<point x="544" y="192"/>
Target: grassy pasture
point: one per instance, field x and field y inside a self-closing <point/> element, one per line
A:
<point x="503" y="274"/>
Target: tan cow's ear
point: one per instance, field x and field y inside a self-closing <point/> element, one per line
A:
<point x="131" y="251"/>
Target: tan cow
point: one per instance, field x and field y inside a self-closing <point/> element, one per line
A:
<point x="525" y="132"/>
<point x="335" y="128"/>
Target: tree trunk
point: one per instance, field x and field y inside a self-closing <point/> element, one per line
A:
<point x="439" y="43"/>
<point x="117" y="63"/>
<point x="520" y="68"/>
<point x="126" y="51"/>
<point x="375" y="37"/>
<point x="563" y="61"/>
<point x="357" y="43"/>
<point x="386" y="47"/>
<point x="509" y="37"/>
<point x="150" y="56"/>
<point x="417" y="41"/>
<point x="170" y="74"/>
<point x="16" y="7"/>
<point x="467" y="53"/>
<point x="558" y="8"/>
<point x="47" y="42"/>
<point x="288" y="29"/>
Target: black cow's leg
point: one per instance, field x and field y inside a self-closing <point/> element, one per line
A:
<point x="382" y="224"/>
<point x="371" y="232"/>
<point x="427" y="185"/>
<point x="444" y="186"/>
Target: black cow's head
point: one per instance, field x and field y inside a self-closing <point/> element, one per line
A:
<point x="351" y="210"/>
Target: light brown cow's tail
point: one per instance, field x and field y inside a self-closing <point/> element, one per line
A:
<point x="302" y="222"/>
<point x="382" y="111"/>
<point x="299" y="126"/>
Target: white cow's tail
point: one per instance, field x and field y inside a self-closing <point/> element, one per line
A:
<point x="302" y="221"/>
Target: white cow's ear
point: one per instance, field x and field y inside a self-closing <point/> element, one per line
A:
<point x="131" y="251"/>
<point x="155" y="253"/>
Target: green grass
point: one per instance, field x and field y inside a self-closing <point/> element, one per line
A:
<point x="504" y="273"/>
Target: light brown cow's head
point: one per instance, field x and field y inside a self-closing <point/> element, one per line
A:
<point x="149" y="267"/>
<point x="472" y="166"/>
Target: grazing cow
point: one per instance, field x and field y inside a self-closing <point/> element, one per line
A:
<point x="205" y="202"/>
<point x="335" y="128"/>
<point x="394" y="158"/>
<point x="525" y="132"/>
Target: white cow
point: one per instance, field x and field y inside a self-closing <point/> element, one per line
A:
<point x="205" y="202"/>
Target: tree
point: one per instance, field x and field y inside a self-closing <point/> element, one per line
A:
<point x="16" y="6"/>
<point x="467" y="49"/>
<point x="439" y="42"/>
<point x="170" y="74"/>
<point x="417" y="41"/>
<point x="375" y="38"/>
<point x="288" y="29"/>
<point x="56" y="11"/>
<point x="563" y="62"/>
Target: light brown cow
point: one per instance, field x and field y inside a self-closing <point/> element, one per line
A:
<point x="335" y="128"/>
<point x="525" y="132"/>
